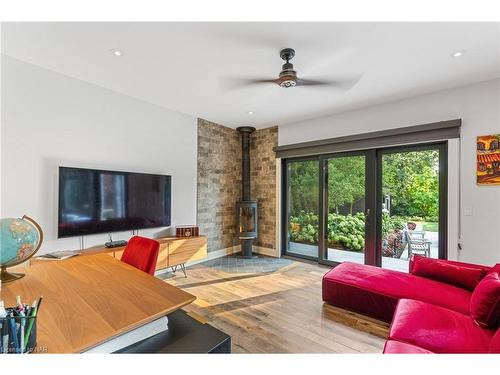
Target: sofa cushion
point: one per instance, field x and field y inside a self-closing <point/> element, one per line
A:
<point x="485" y="301"/>
<point x="375" y="291"/>
<point x="447" y="272"/>
<point x="438" y="329"/>
<point x="397" y="347"/>
<point x="495" y="343"/>
<point x="470" y="265"/>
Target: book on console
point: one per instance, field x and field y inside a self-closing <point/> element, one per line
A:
<point x="59" y="255"/>
<point x="131" y="337"/>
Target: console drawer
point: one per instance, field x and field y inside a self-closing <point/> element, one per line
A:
<point x="183" y="245"/>
<point x="188" y="255"/>
<point x="162" y="261"/>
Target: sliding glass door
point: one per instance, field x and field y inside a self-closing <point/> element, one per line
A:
<point x="344" y="208"/>
<point x="375" y="207"/>
<point x="412" y="204"/>
<point x="301" y="208"/>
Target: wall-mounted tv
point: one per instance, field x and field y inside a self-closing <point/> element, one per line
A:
<point x="97" y="201"/>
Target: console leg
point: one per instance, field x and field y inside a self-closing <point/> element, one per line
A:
<point x="183" y="268"/>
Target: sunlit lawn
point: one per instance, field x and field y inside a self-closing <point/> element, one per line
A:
<point x="430" y="226"/>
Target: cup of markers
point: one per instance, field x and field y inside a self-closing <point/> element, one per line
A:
<point x="18" y="327"/>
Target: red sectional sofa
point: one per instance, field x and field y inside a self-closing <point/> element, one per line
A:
<point x="439" y="307"/>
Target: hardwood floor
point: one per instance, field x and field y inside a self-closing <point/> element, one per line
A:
<point x="278" y="312"/>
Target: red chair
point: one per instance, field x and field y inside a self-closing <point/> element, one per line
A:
<point x="142" y="253"/>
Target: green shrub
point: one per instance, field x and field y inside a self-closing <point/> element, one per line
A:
<point x="433" y="219"/>
<point x="347" y="231"/>
<point x="304" y="228"/>
<point x="392" y="223"/>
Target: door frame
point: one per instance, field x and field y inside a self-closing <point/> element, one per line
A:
<point x="373" y="210"/>
<point x="442" y="148"/>
<point x="285" y="179"/>
<point x="370" y="221"/>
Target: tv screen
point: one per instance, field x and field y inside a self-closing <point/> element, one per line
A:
<point x="95" y="201"/>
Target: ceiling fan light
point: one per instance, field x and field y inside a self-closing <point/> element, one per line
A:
<point x="288" y="83"/>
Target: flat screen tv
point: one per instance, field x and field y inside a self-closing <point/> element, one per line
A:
<point x="96" y="201"/>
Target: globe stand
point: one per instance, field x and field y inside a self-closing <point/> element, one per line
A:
<point x="7" y="277"/>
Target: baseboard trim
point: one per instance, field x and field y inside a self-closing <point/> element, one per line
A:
<point x="266" y="251"/>
<point x="216" y="254"/>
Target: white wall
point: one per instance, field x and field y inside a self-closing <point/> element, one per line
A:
<point x="49" y="120"/>
<point x="479" y="108"/>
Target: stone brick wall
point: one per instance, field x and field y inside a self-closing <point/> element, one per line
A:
<point x="263" y="183"/>
<point x="219" y="183"/>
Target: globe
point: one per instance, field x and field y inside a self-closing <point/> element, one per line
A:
<point x="20" y="239"/>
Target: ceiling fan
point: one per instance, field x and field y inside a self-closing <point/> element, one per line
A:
<point x="288" y="76"/>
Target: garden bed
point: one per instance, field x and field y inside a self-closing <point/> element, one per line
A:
<point x="344" y="231"/>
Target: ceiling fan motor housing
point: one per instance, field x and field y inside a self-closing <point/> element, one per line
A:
<point x="288" y="76"/>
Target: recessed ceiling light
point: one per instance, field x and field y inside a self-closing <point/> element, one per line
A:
<point x="458" y="53"/>
<point x="116" y="52"/>
<point x="250" y="112"/>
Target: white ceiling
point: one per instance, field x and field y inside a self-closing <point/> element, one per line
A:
<point x="190" y="67"/>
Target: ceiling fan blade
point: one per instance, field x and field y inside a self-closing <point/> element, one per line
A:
<point x="262" y="81"/>
<point x="310" y="82"/>
<point x="341" y="84"/>
<point x="234" y="83"/>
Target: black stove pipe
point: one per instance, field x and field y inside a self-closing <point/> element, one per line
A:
<point x="245" y="132"/>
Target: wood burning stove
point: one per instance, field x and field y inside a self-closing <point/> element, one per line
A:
<point x="246" y="209"/>
<point x="247" y="219"/>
